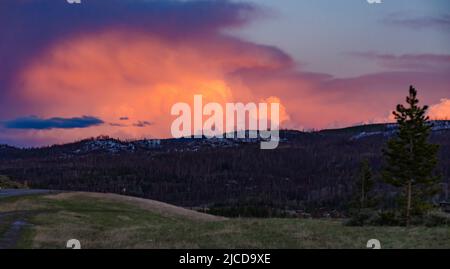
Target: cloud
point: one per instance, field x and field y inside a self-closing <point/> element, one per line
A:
<point x="36" y="123"/>
<point x="140" y="75"/>
<point x="113" y="124"/>
<point x="423" y="62"/>
<point x="439" y="22"/>
<point x="142" y="124"/>
<point x="440" y="111"/>
<point x="42" y="23"/>
<point x="138" y="124"/>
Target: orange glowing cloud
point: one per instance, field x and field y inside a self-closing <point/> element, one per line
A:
<point x="440" y="111"/>
<point x="115" y="74"/>
<point x="139" y="76"/>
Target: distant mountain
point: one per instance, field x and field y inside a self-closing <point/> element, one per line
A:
<point x="105" y="144"/>
<point x="387" y="129"/>
<point x="9" y="152"/>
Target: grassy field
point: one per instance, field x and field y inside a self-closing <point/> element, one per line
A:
<point x="111" y="221"/>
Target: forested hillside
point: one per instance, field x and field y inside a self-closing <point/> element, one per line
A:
<point x="309" y="172"/>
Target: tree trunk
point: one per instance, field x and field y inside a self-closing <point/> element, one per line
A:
<point x="362" y="194"/>
<point x="408" y="205"/>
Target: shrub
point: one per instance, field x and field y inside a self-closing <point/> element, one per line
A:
<point x="389" y="218"/>
<point x="362" y="217"/>
<point x="437" y="218"/>
<point x="6" y="183"/>
<point x="368" y="217"/>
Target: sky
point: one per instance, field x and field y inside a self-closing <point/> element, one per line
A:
<point x="71" y="71"/>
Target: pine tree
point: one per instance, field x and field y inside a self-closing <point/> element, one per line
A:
<point x="363" y="187"/>
<point x="366" y="183"/>
<point x="410" y="158"/>
<point x="361" y="207"/>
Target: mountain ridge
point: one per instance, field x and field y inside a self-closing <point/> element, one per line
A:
<point x="114" y="145"/>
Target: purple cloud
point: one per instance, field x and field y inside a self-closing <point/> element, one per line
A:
<point x="440" y="22"/>
<point x="142" y="124"/>
<point x="423" y="62"/>
<point x="29" y="27"/>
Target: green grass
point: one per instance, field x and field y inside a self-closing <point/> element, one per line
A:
<point x="99" y="223"/>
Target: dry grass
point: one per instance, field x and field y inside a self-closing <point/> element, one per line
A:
<point x="19" y="204"/>
<point x="146" y="204"/>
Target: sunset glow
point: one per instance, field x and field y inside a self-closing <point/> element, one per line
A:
<point x="128" y="75"/>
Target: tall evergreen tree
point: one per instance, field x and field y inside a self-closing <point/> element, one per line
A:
<point x="410" y="158"/>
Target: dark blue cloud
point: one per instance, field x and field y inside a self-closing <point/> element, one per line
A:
<point x="37" y="123"/>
